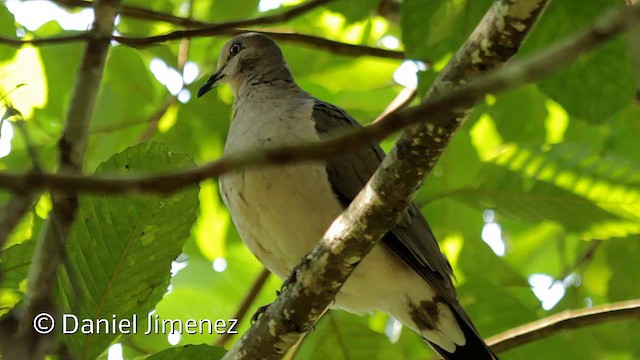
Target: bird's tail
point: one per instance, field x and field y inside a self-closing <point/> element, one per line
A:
<point x="474" y="349"/>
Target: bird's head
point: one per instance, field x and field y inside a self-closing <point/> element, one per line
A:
<point x="246" y="57"/>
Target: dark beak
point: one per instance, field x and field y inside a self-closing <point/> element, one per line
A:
<point x="211" y="82"/>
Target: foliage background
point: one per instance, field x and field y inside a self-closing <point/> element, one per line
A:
<point x="555" y="166"/>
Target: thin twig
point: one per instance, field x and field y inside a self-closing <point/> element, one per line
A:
<point x="528" y="69"/>
<point x="583" y="259"/>
<point x="401" y="101"/>
<point x="226" y="28"/>
<point x="566" y="320"/>
<point x="248" y="300"/>
<point x="138" y="13"/>
<point x="152" y="122"/>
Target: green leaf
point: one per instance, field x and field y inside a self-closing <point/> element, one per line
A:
<point x="622" y="256"/>
<point x="515" y="122"/>
<point x="190" y="352"/>
<point x="599" y="83"/>
<point x="340" y="335"/>
<point x="7" y="28"/>
<point x="354" y="10"/>
<point x="224" y="10"/>
<point x="14" y="264"/>
<point x="433" y="28"/>
<point x="590" y="194"/>
<point x="120" y="249"/>
<point x="512" y="196"/>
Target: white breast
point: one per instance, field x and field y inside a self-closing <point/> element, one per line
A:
<point x="281" y="212"/>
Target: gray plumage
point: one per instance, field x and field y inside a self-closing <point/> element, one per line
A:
<point x="281" y="212"/>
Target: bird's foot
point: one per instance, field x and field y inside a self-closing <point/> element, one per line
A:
<point x="261" y="310"/>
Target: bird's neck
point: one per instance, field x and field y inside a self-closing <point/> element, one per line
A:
<point x="276" y="76"/>
<point x="265" y="88"/>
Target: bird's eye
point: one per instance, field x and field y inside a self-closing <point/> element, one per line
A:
<point x="235" y="49"/>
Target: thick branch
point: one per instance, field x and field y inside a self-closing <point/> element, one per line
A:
<point x="518" y="72"/>
<point x="566" y="320"/>
<point x="319" y="277"/>
<point x="48" y="254"/>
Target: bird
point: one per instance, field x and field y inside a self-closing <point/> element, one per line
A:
<point x="281" y="212"/>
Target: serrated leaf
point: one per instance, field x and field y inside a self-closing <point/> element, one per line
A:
<point x="189" y="352"/>
<point x="592" y="195"/>
<point x="120" y="249"/>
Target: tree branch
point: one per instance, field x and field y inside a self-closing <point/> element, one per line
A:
<point x="318" y="278"/>
<point x="49" y="250"/>
<point x="226" y="28"/>
<point x="146" y="14"/>
<point x="566" y="320"/>
<point x="516" y="73"/>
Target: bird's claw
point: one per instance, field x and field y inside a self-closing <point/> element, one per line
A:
<point x="261" y="310"/>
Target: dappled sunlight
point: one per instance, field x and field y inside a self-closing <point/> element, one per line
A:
<point x="33" y="14"/>
<point x="556" y="123"/>
<point x="174" y="338"/>
<point x="266" y="5"/>
<point x="548" y="290"/>
<point x="606" y="181"/>
<point x="23" y="79"/>
<point x="219" y="264"/>
<point x="393" y="329"/>
<point x="492" y="233"/>
<point x="166" y="75"/>
<point x="407" y="73"/>
<point x="451" y="246"/>
<point x="6" y="134"/>
<point x="390" y="42"/>
<point x="115" y="352"/>
<point x="485" y="137"/>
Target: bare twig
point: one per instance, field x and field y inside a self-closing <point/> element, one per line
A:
<point x="583" y="259"/>
<point x="258" y="284"/>
<point x="518" y="72"/>
<point x="566" y="320"/>
<point x="401" y="101"/>
<point x="48" y="254"/>
<point x="329" y="45"/>
<point x="226" y="28"/>
<point x="139" y="13"/>
<point x="152" y="122"/>
<point x="46" y="41"/>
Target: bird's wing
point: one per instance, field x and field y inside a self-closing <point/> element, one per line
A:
<point x="411" y="239"/>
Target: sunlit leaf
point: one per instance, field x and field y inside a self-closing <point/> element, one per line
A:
<point x="120" y="249"/>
